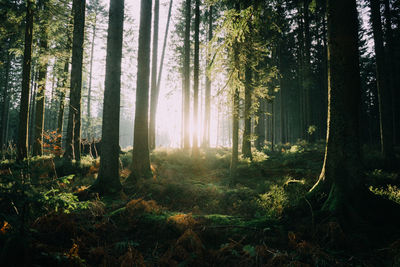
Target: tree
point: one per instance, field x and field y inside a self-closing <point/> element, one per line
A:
<point x="246" y="143"/>
<point x="94" y="9"/>
<point x="341" y="175"/>
<point x="207" y="100"/>
<point x="154" y="95"/>
<point x="382" y="78"/>
<point x="196" y="68"/>
<point x="73" y="140"/>
<point x="40" y="97"/>
<point x="141" y="157"/>
<point x="108" y="180"/>
<point x="22" y="143"/>
<point x="6" y="99"/>
<point x="156" y="92"/>
<point x="186" y="78"/>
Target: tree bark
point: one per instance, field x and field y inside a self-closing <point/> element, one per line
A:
<point x="384" y="94"/>
<point x="341" y="175"/>
<point x="195" y="147"/>
<point x="40" y="101"/>
<point x="108" y="180"/>
<point x="141" y="157"/>
<point x="73" y="140"/>
<point x="89" y="96"/>
<point x="260" y="128"/>
<point x="22" y="144"/>
<point x="246" y="143"/>
<point x="6" y="101"/>
<point x="154" y="95"/>
<point x="37" y="149"/>
<point x="186" y="74"/>
<point x="154" y="98"/>
<point x="207" y="112"/>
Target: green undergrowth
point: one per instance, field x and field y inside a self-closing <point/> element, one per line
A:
<point x="188" y="214"/>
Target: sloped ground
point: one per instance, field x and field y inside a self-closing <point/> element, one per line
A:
<point x="186" y="215"/>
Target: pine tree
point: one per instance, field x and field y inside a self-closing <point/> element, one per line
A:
<point x="141" y="157"/>
<point x="108" y="180"/>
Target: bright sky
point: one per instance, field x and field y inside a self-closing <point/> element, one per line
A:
<point x="169" y="105"/>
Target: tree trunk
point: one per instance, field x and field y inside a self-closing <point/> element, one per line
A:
<point x="141" y="157"/>
<point x="89" y="96"/>
<point x="307" y="79"/>
<point x="186" y="73"/>
<point x="40" y="98"/>
<point x="246" y="143"/>
<point x="6" y="102"/>
<point x="390" y="70"/>
<point x="60" y="118"/>
<point x="207" y="112"/>
<point x="260" y="128"/>
<point x="384" y="94"/>
<point x="108" y="180"/>
<point x="154" y="95"/>
<point x="73" y="140"/>
<point x="341" y="172"/>
<point x="195" y="147"/>
<point x="22" y="143"/>
<point x="154" y="104"/>
<point x="235" y="135"/>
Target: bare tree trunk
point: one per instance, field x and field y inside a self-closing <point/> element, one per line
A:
<point x="108" y="181"/>
<point x="235" y="135"/>
<point x="384" y="93"/>
<point x="40" y="100"/>
<point x="154" y="93"/>
<point x="207" y="113"/>
<point x="341" y="177"/>
<point x="246" y="145"/>
<point x="153" y="107"/>
<point x="89" y="96"/>
<point x="6" y="101"/>
<point x="186" y="71"/>
<point x="22" y="143"/>
<point x="73" y="140"/>
<point x="141" y="156"/>
<point x="195" y="147"/>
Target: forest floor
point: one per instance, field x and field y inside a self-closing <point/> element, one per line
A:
<point x="189" y="214"/>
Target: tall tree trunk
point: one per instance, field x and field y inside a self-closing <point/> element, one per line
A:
<point x="207" y="100"/>
<point x="341" y="171"/>
<point x="384" y="94"/>
<point x="390" y="70"/>
<point x="73" y="140"/>
<point x="37" y="149"/>
<point x="108" y="180"/>
<point x="154" y="95"/>
<point x="89" y="96"/>
<point x="260" y="128"/>
<point x="156" y="92"/>
<point x="235" y="135"/>
<point x="6" y="101"/>
<point x="31" y="121"/>
<point x="22" y="143"/>
<point x="195" y="148"/>
<point x="141" y="157"/>
<point x="246" y="143"/>
<point x="40" y="100"/>
<point x="307" y="80"/>
<point x="60" y="117"/>
<point x="186" y="73"/>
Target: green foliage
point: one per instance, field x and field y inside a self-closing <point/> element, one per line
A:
<point x="274" y="201"/>
<point x="391" y="192"/>
<point x="25" y="197"/>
